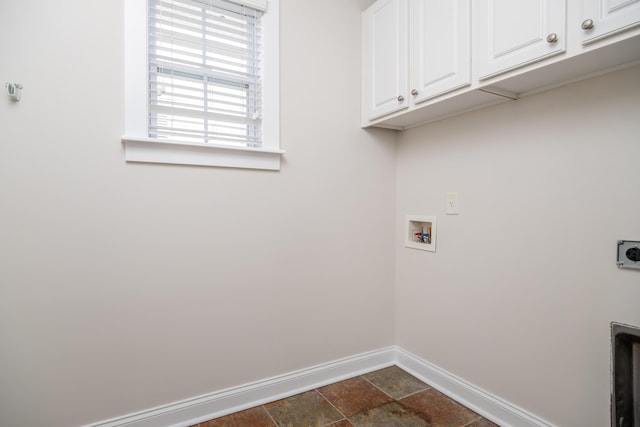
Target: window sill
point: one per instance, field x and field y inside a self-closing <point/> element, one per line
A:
<point x="149" y="150"/>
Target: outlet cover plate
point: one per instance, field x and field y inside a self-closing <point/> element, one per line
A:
<point x="452" y="203"/>
<point x="623" y="247"/>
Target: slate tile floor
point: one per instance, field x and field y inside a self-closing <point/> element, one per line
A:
<point x="389" y="397"/>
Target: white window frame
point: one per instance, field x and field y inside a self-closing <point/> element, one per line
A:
<point x="140" y="148"/>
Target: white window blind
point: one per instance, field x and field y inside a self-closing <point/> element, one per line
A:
<point x="205" y="72"/>
<point x="256" y="4"/>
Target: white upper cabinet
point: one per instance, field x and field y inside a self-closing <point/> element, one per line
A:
<point x="426" y="60"/>
<point x="436" y="33"/>
<point x="386" y="34"/>
<point x="512" y="33"/>
<point x="602" y="18"/>
<point x="440" y="47"/>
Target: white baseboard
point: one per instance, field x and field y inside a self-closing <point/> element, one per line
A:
<point x="192" y="411"/>
<point x="202" y="408"/>
<point x="489" y="406"/>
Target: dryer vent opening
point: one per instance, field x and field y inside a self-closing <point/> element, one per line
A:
<point x="625" y="400"/>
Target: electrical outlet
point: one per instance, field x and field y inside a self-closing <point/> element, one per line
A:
<point x="628" y="254"/>
<point x="452" y="204"/>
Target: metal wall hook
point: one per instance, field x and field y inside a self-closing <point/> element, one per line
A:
<point x="14" y="90"/>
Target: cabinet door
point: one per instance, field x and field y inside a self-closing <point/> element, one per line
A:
<point x="515" y="33"/>
<point x="601" y="18"/>
<point x="386" y="50"/>
<point x="441" y="47"/>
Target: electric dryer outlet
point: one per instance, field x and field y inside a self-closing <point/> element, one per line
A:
<point x="628" y="254"/>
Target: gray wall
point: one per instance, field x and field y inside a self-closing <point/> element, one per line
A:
<point x="127" y="286"/>
<point x="519" y="296"/>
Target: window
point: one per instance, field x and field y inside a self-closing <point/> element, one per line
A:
<point x="202" y="82"/>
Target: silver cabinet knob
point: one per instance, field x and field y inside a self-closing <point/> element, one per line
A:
<point x="587" y="24"/>
<point x="415" y="92"/>
<point x="400" y="98"/>
<point x="552" y="38"/>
